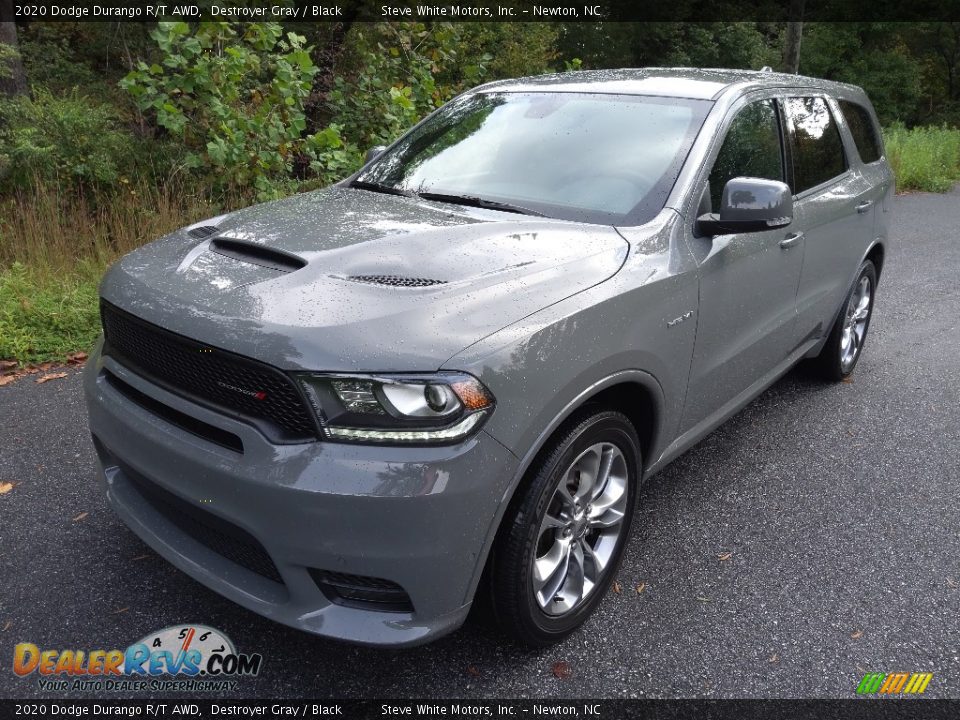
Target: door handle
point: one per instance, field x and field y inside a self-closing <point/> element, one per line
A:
<point x="790" y="240"/>
<point x="864" y="206"/>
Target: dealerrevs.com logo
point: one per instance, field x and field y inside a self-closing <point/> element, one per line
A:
<point x="188" y="658"/>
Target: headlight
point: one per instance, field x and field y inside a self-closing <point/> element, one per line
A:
<point x="398" y="409"/>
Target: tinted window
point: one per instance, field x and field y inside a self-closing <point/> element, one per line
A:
<point x="863" y="130"/>
<point x="750" y="149"/>
<point x="577" y="156"/>
<point x="815" y="141"/>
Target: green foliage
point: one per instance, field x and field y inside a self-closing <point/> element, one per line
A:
<point x="67" y="139"/>
<point x="44" y="316"/>
<point x="509" y="49"/>
<point x="52" y="64"/>
<point x="924" y="158"/>
<point x="234" y="95"/>
<point x="714" y="44"/>
<point x="403" y="72"/>
<point x="7" y="55"/>
<point x="871" y="55"/>
<point x="89" y="56"/>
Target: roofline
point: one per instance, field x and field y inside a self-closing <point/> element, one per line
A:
<point x="756" y="80"/>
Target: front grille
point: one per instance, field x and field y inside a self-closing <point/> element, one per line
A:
<point x="222" y="537"/>
<point x="359" y="591"/>
<point x="230" y="383"/>
<point x="396" y="280"/>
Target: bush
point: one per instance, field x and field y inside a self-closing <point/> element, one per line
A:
<point x="234" y="95"/>
<point x="924" y="158"/>
<point x="70" y="140"/>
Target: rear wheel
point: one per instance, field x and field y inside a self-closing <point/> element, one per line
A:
<point x="560" y="547"/>
<point x="839" y="356"/>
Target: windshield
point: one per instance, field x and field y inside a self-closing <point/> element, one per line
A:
<point x="596" y="158"/>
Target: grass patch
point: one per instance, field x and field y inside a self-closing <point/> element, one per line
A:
<point x="924" y="158"/>
<point x="45" y="315"/>
<point x="54" y="247"/>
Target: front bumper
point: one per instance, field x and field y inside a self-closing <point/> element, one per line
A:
<point x="416" y="517"/>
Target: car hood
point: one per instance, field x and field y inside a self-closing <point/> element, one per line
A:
<point x="386" y="283"/>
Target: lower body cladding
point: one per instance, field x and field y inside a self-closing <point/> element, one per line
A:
<point x="373" y="545"/>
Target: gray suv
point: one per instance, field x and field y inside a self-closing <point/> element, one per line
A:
<point x="356" y="410"/>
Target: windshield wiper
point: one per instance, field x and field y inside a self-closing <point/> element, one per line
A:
<point x="378" y="187"/>
<point x="472" y="201"/>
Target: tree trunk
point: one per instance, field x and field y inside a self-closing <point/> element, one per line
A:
<point x="791" y="47"/>
<point x="791" y="43"/>
<point x="13" y="79"/>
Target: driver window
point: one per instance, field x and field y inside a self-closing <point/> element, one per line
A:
<point x="751" y="149"/>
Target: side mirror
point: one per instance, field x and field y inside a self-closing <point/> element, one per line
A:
<point x="749" y="205"/>
<point x="373" y="153"/>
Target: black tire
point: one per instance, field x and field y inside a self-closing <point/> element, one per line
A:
<point x="829" y="364"/>
<point x="511" y="588"/>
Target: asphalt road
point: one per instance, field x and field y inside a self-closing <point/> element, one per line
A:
<point x="839" y="506"/>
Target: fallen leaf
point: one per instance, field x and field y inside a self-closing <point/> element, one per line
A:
<point x="5" y="487"/>
<point x="952" y="583"/>
<point x="703" y="599"/>
<point x="774" y="658"/>
<point x="561" y="670"/>
<point x="7" y="379"/>
<point x="51" y="376"/>
<point x="641" y="587"/>
<point x="140" y="557"/>
<point x="7" y="625"/>
<point x="32" y="370"/>
<point x="617" y="588"/>
<point x="848" y="379"/>
<point x="77" y="358"/>
<point x="80" y="517"/>
<point x="723" y="557"/>
<point x="473" y="670"/>
<point x="119" y="610"/>
<point x="7" y="366"/>
<point x="856" y="635"/>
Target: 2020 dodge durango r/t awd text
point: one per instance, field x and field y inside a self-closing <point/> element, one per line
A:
<point x="344" y="409"/>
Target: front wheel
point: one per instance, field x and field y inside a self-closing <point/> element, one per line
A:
<point x="563" y="540"/>
<point x="844" y="346"/>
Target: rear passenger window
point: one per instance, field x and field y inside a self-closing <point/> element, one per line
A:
<point x="863" y="130"/>
<point x="815" y="142"/>
<point x="750" y="149"/>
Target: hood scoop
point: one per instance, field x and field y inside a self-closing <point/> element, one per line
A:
<point x="203" y="231"/>
<point x="396" y="281"/>
<point x="254" y="254"/>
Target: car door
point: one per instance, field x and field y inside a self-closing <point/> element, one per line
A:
<point x="863" y="140"/>
<point x="746" y="325"/>
<point x="834" y="200"/>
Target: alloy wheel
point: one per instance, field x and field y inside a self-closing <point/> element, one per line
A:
<point x="855" y="323"/>
<point x="581" y="528"/>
